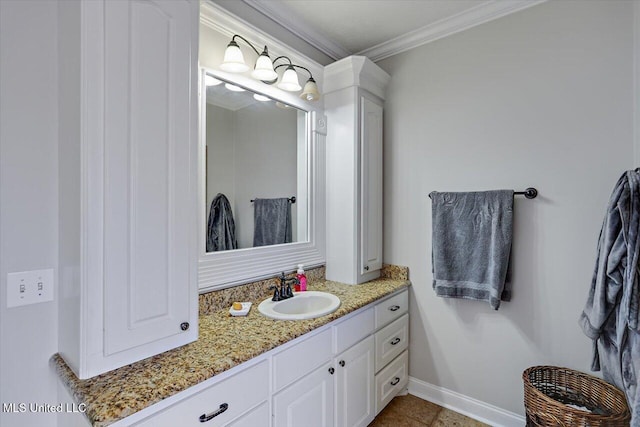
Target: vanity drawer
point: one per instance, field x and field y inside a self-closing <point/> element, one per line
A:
<point x="391" y="380"/>
<point x="301" y="358"/>
<point x="240" y="392"/>
<point x="392" y="308"/>
<point x="353" y="330"/>
<point x="391" y="341"/>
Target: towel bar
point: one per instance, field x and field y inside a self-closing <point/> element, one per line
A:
<point x="529" y="193"/>
<point x="291" y="199"/>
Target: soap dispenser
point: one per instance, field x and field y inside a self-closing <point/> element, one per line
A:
<point x="302" y="278"/>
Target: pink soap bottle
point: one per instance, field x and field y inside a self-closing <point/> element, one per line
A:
<point x="302" y="278"/>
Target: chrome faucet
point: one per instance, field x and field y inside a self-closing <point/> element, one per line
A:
<point x="284" y="291"/>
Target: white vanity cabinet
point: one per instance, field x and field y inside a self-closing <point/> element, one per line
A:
<point x="128" y="140"/>
<point x="354" y="97"/>
<point x="391" y="348"/>
<point x="350" y="382"/>
<point x="239" y="400"/>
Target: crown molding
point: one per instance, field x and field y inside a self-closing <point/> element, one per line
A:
<point x="288" y="20"/>
<point x="356" y="71"/>
<point x="470" y="18"/>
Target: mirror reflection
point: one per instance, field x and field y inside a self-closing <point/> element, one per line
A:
<point x="256" y="169"/>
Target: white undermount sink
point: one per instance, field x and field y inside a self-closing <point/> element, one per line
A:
<point x="303" y="305"/>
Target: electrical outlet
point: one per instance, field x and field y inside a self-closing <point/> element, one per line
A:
<point x="29" y="287"/>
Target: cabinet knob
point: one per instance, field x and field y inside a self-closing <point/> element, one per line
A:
<point x="341" y="363"/>
<point x="394" y="308"/>
<point x="366" y="268"/>
<point x="395" y="341"/>
<point x="395" y="381"/>
<point x="208" y="417"/>
<point x="184" y="326"/>
<point x="331" y="370"/>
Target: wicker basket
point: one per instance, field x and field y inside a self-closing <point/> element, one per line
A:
<point x="548" y="390"/>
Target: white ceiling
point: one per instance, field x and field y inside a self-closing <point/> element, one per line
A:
<point x="380" y="28"/>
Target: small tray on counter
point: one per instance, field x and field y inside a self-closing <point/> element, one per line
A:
<point x="246" y="306"/>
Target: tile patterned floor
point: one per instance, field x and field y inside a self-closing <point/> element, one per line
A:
<point x="411" y="411"/>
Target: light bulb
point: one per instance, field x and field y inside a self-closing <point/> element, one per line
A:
<point x="310" y="92"/>
<point x="233" y="61"/>
<point x="233" y="88"/>
<point x="290" y="80"/>
<point x="259" y="97"/>
<point x="211" y="81"/>
<point x="264" y="68"/>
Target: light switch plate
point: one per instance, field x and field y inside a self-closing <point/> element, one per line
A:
<point x="29" y="287"/>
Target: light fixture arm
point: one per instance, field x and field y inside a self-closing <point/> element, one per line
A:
<point x="233" y="39"/>
<point x="290" y="64"/>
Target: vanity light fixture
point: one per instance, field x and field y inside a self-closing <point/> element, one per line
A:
<point x="233" y="61"/>
<point x="265" y="71"/>
<point x="233" y="88"/>
<point x="262" y="98"/>
<point x="209" y="80"/>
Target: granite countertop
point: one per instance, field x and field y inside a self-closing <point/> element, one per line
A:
<point x="223" y="342"/>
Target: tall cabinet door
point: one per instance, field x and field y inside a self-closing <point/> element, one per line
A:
<point x="149" y="175"/>
<point x="371" y="186"/>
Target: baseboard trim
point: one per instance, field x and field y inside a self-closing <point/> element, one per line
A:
<point x="473" y="408"/>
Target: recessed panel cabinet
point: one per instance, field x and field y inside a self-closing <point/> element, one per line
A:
<point x="354" y="96"/>
<point x="128" y="140"/>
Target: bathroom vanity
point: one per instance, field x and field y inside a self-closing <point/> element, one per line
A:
<point x="253" y="371"/>
<point x="133" y="234"/>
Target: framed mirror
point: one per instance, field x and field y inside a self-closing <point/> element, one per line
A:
<point x="255" y="169"/>
<point x="261" y="158"/>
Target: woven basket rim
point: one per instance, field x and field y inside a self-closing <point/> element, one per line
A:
<point x="530" y="387"/>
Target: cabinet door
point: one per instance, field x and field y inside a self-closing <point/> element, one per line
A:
<point x="257" y="417"/>
<point x="355" y="400"/>
<point x="148" y="172"/>
<point x="371" y="187"/>
<point x="308" y="402"/>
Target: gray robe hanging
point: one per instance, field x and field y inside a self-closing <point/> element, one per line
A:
<point x="610" y="317"/>
<point x="221" y="229"/>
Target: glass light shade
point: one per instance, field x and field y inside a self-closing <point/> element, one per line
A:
<point x="211" y="81"/>
<point x="310" y="91"/>
<point x="233" y="61"/>
<point x="289" y="80"/>
<point x="264" y="68"/>
<point x="233" y="88"/>
<point x="262" y="98"/>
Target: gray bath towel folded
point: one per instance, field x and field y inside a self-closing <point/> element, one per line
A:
<point x="272" y="221"/>
<point x="471" y="240"/>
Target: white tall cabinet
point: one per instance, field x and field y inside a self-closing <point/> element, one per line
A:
<point x="354" y="97"/>
<point x="127" y="180"/>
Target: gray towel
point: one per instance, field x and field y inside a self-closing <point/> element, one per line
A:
<point x="610" y="316"/>
<point x="472" y="244"/>
<point x="271" y="221"/>
<point x="221" y="228"/>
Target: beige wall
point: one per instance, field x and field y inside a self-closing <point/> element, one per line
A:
<point x="540" y="98"/>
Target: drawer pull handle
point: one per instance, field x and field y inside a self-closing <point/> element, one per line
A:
<point x="394" y="308"/>
<point x="366" y="268"/>
<point x="331" y="370"/>
<point x="204" y="417"/>
<point x="395" y="341"/>
<point x="395" y="381"/>
<point x="341" y="363"/>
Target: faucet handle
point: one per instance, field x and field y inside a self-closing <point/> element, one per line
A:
<point x="276" y="293"/>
